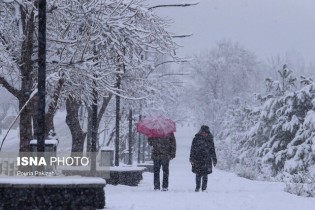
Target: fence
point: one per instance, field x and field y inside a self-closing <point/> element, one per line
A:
<point x="8" y="167"/>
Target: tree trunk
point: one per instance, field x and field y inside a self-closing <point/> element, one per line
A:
<point x="49" y="118"/>
<point x="99" y="118"/>
<point x="89" y="132"/>
<point x="27" y="72"/>
<point x="73" y="122"/>
<point x="25" y="125"/>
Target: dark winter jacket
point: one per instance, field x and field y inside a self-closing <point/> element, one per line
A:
<point x="163" y="148"/>
<point x="202" y="154"/>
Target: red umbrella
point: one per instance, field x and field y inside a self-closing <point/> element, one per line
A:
<point x="156" y="126"/>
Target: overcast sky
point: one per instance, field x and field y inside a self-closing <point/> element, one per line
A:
<point x="266" y="27"/>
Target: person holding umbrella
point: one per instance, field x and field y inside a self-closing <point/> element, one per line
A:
<point x="164" y="149"/>
<point x="202" y="155"/>
<point x="160" y="132"/>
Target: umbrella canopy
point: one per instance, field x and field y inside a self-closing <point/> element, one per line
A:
<point x="156" y="126"/>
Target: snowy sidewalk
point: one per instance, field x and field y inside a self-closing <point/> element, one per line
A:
<point x="226" y="191"/>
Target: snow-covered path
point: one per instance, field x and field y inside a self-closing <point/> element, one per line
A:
<point x="226" y="191"/>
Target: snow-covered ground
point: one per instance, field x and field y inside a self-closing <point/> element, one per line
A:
<point x="226" y="191"/>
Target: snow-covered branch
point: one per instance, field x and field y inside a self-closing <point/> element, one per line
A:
<point x="182" y="35"/>
<point x="174" y="5"/>
<point x="172" y="61"/>
<point x="9" y="87"/>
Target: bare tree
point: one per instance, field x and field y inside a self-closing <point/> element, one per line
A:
<point x="220" y="74"/>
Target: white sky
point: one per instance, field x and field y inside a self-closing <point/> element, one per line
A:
<point x="266" y="27"/>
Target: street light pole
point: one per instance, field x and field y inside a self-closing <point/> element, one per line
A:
<point x="117" y="123"/>
<point x="139" y="140"/>
<point x="41" y="75"/>
<point x="94" y="131"/>
<point x="130" y="138"/>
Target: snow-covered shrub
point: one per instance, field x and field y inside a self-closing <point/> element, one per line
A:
<point x="275" y="139"/>
<point x="234" y="148"/>
<point x="248" y="171"/>
<point x="302" y="184"/>
<point x="290" y="145"/>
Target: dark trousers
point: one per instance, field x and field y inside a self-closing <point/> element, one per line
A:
<point x="165" y="167"/>
<point x="204" y="181"/>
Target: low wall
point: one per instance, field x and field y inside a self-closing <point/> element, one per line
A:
<point x="148" y="167"/>
<point x="123" y="175"/>
<point x="47" y="193"/>
<point x="130" y="178"/>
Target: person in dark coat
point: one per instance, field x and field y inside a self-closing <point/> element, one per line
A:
<point x="164" y="149"/>
<point x="202" y="156"/>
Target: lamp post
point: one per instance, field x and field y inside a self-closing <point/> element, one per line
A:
<point x="41" y="75"/>
<point x="117" y="123"/>
<point x="143" y="149"/>
<point x="130" y="138"/>
<point x="139" y="140"/>
<point x="94" y="132"/>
